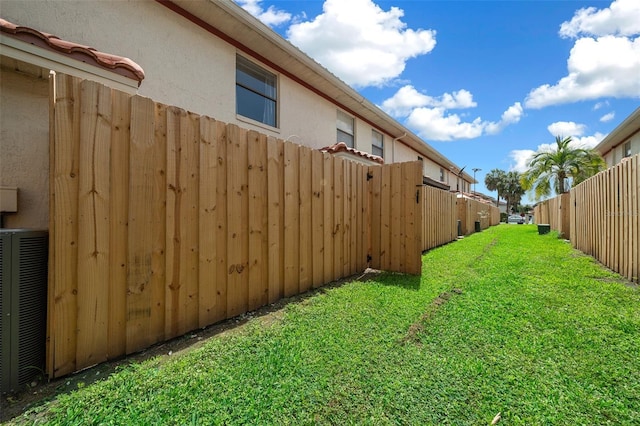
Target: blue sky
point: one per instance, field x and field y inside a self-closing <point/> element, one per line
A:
<point x="486" y="83"/>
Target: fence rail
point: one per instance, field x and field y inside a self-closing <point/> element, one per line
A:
<point x="601" y="217"/>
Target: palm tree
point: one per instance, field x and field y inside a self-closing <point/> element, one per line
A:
<point x="512" y="189"/>
<point x="559" y="168"/>
<point x="494" y="181"/>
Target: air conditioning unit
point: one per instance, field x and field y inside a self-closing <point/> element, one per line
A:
<point x="23" y="306"/>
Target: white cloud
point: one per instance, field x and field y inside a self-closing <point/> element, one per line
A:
<point x="511" y="116"/>
<point x="360" y="42"/>
<point x="621" y="18"/>
<point x="407" y="98"/>
<point x="604" y="61"/>
<point x="436" y="124"/>
<point x="599" y="105"/>
<point x="604" y="67"/>
<point x="271" y="16"/>
<point x="608" y="117"/>
<point x="588" y="142"/>
<point x="566" y="128"/>
<point x="575" y="131"/>
<point x="430" y="118"/>
<point x="521" y="158"/>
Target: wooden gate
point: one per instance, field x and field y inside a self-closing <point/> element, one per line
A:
<point x="396" y="217"/>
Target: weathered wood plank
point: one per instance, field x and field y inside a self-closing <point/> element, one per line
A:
<point x="306" y="265"/>
<point x="275" y="173"/>
<point x="328" y="210"/>
<point x="222" y="274"/>
<point x="93" y="224"/>
<point x="375" y="216"/>
<point x="119" y="214"/>
<point x="207" y="221"/>
<point x="338" y="218"/>
<point x="317" y="217"/>
<point x="64" y="173"/>
<point x="398" y="242"/>
<point x="258" y="221"/>
<point x="146" y="231"/>
<point x="291" y="220"/>
<point x="237" y="219"/>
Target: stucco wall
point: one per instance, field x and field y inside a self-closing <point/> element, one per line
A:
<point x="614" y="156"/>
<point x="24" y="147"/>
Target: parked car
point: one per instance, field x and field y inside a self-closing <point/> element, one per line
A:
<point x="514" y="218"/>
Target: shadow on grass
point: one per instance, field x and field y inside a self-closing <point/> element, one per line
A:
<point x="409" y="282"/>
<point x="40" y="392"/>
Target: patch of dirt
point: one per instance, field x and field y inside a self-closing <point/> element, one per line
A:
<point x="419" y="326"/>
<point x="486" y="250"/>
<point x="622" y="281"/>
<point x="40" y="391"/>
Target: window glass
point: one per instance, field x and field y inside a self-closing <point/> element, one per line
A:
<point x="627" y="149"/>
<point x="256" y="92"/>
<point x="377" y="143"/>
<point x="345" y="129"/>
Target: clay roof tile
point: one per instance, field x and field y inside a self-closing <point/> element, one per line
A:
<point x="342" y="147"/>
<point x="117" y="64"/>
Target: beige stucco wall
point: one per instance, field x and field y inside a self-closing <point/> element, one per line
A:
<point x="614" y="156"/>
<point x="24" y="147"/>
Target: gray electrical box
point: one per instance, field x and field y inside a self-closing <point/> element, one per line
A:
<point x="23" y="306"/>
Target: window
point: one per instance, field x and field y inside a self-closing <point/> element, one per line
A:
<point x="377" y="143"/>
<point x="345" y="129"/>
<point x="256" y="92"/>
<point x="441" y="174"/>
<point x="627" y="149"/>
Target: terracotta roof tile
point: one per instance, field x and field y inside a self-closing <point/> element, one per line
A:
<point x="117" y="64"/>
<point x="342" y="147"/>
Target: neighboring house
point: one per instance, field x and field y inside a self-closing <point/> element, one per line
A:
<point x="623" y="141"/>
<point x="502" y="205"/>
<point x="209" y="57"/>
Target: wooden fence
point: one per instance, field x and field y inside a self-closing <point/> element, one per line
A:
<point x="439" y="217"/>
<point x="601" y="217"/>
<point x="471" y="211"/>
<point x="605" y="217"/>
<point x="556" y="212"/>
<point x="163" y="221"/>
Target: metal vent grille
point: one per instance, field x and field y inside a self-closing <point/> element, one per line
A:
<point x="32" y="304"/>
<point x="23" y="306"/>
<point x="4" y="305"/>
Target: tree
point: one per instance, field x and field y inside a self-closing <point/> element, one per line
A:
<point x="512" y="189"/>
<point x="560" y="168"/>
<point x="494" y="181"/>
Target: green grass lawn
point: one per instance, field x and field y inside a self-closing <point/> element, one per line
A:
<point x="502" y="321"/>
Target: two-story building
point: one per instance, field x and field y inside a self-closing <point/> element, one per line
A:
<point x="209" y="57"/>
<point x="623" y="141"/>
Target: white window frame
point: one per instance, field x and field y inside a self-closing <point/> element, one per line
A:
<point x="269" y="116"/>
<point x="376" y="149"/>
<point x="345" y="129"/>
